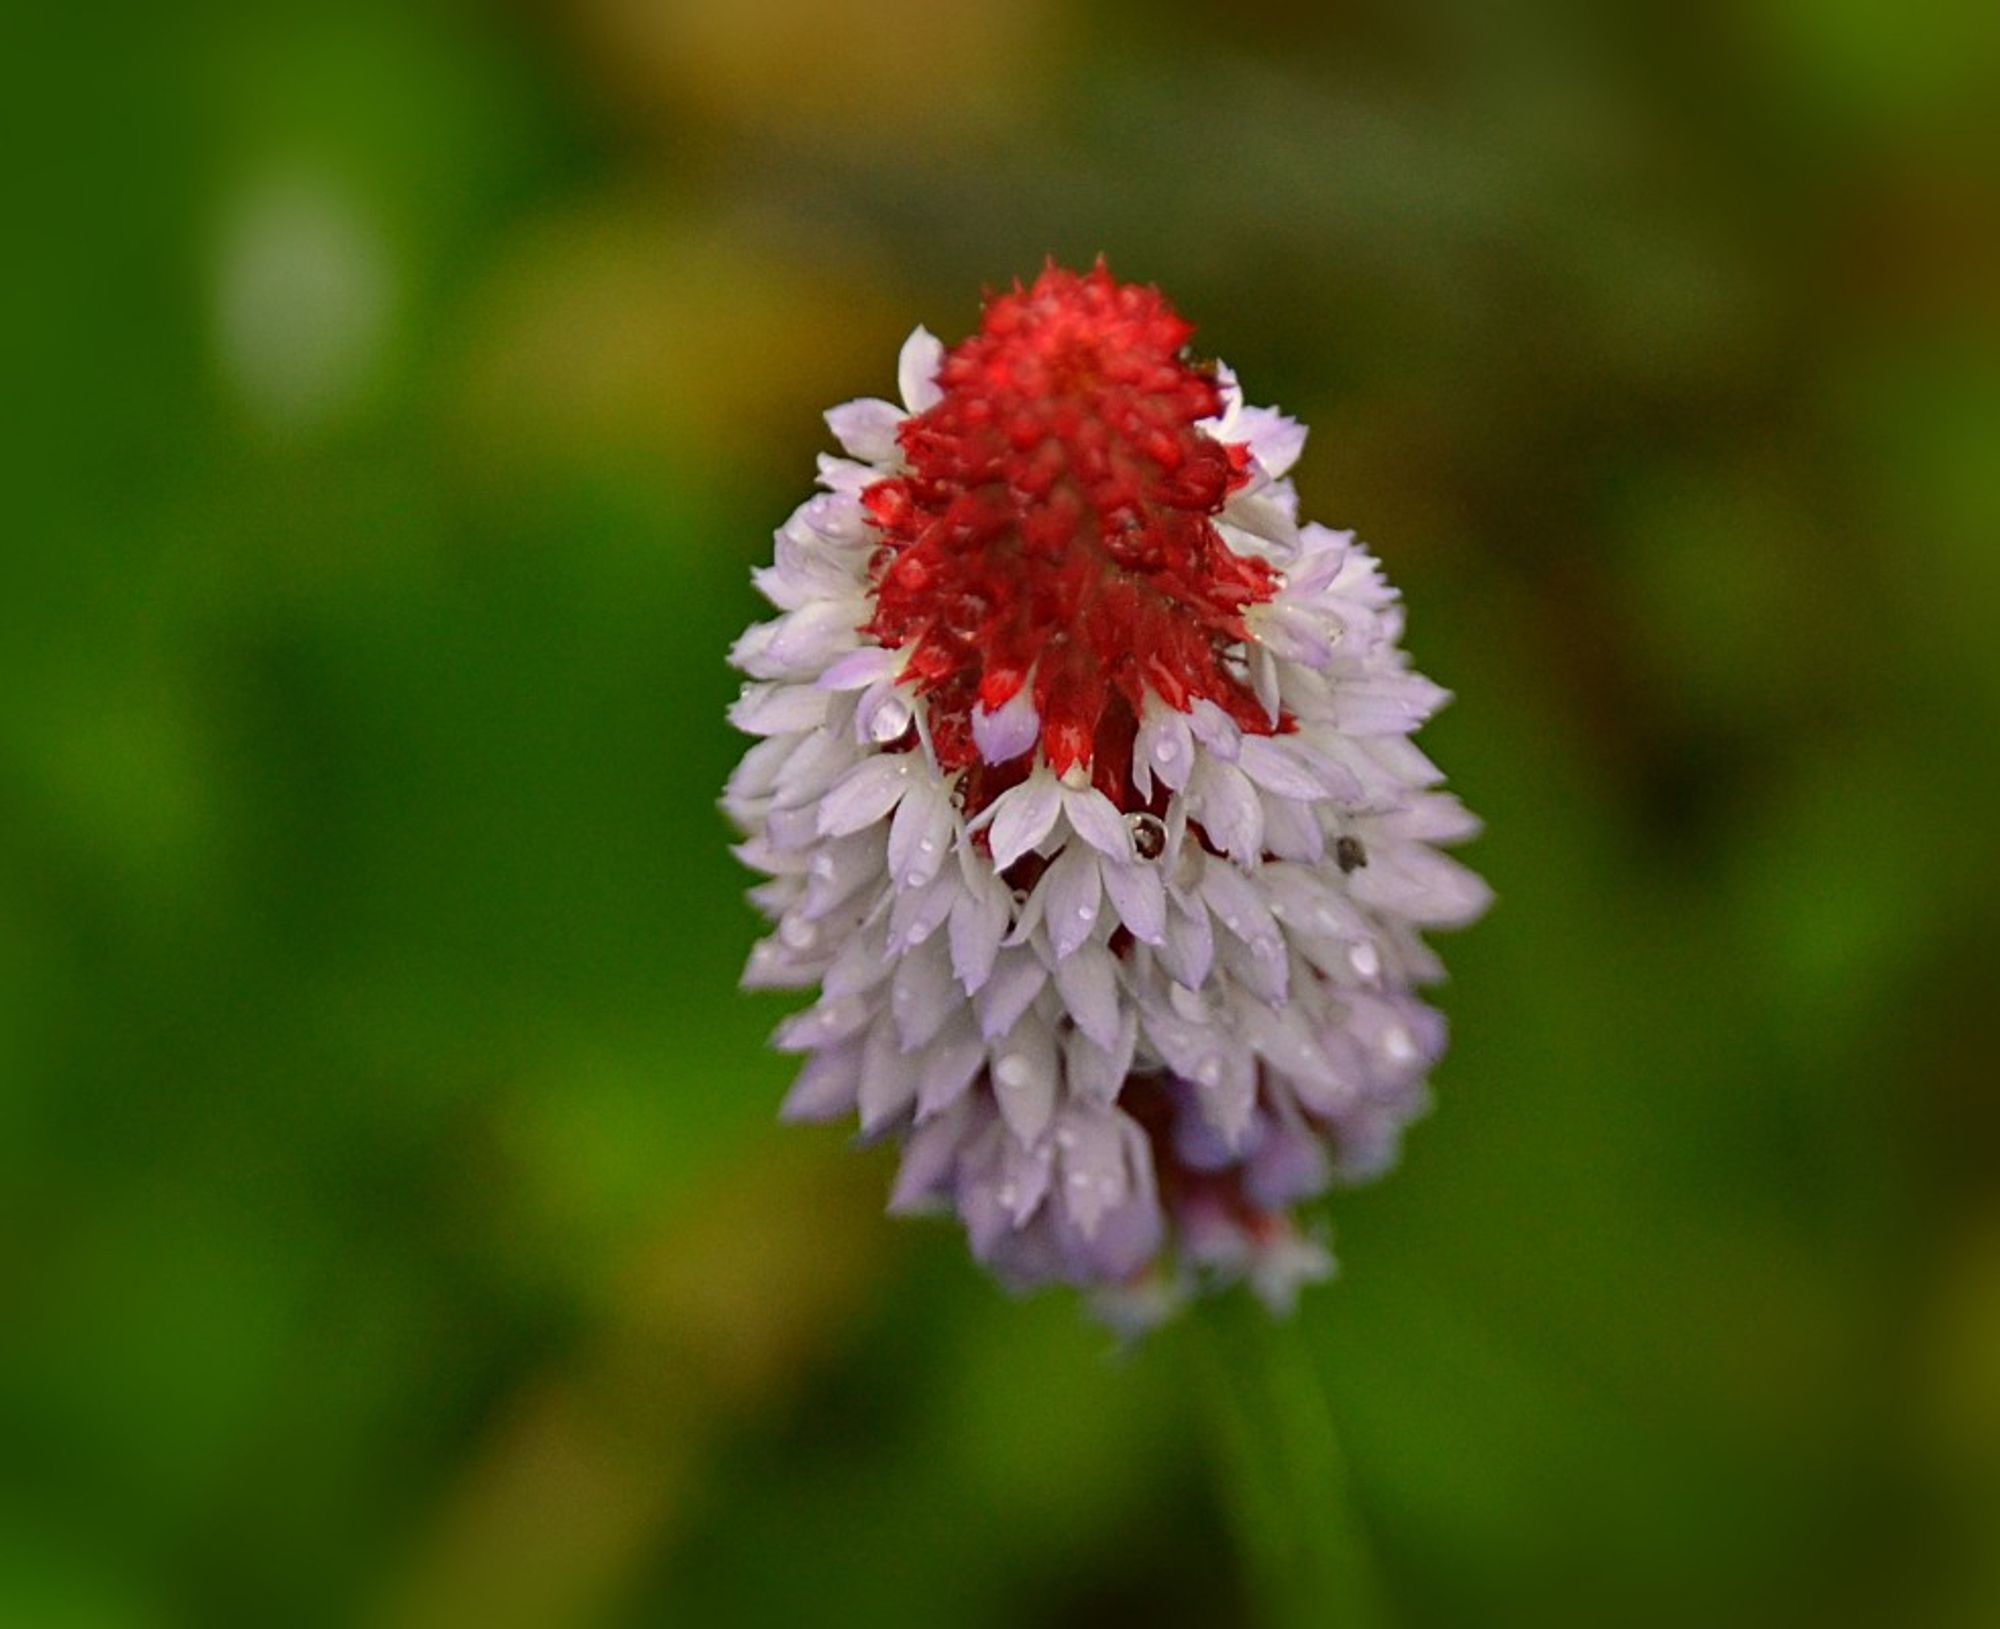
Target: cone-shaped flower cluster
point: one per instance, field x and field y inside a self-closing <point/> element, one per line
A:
<point x="1088" y="805"/>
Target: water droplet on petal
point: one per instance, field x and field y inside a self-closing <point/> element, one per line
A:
<point x="891" y="719"/>
<point x="1149" y="835"/>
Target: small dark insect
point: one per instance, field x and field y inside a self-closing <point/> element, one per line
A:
<point x="1349" y="855"/>
<point x="1192" y="360"/>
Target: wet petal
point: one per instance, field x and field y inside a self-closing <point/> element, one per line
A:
<point x="1070" y="893"/>
<point x="865" y="794"/>
<point x="1022" y="817"/>
<point x="1024" y="1079"/>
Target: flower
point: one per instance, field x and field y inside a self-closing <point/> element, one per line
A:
<point x="1087" y="802"/>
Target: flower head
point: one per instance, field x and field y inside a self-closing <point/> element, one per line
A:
<point x="1088" y="804"/>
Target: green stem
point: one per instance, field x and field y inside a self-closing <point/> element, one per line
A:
<point x="1284" y="1479"/>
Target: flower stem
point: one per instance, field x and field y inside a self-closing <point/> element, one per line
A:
<point x="1284" y="1480"/>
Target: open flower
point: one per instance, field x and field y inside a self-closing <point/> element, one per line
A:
<point x="1088" y="804"/>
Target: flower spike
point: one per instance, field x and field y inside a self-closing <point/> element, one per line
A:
<point x="1088" y="806"/>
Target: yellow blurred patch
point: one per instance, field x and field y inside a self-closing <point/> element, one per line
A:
<point x="622" y="329"/>
<point x="863" y="72"/>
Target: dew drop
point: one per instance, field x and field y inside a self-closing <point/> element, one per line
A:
<point x="891" y="719"/>
<point x="1149" y="835"/>
<point x="1366" y="958"/>
<point x="1209" y="1071"/>
<point x="798" y="934"/>
<point x="1013" y="1071"/>
<point x="1397" y="1045"/>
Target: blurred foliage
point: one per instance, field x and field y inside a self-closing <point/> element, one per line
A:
<point x="392" y="1226"/>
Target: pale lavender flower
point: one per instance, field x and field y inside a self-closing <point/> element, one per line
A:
<point x="1088" y="805"/>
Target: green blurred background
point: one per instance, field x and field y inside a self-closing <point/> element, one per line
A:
<point x="393" y="1226"/>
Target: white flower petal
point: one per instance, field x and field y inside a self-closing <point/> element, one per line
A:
<point x="1010" y="730"/>
<point x="1022" y="816"/>
<point x="923" y="995"/>
<point x="920" y="834"/>
<point x="978" y="921"/>
<point x="839" y="868"/>
<point x="1095" y="1177"/>
<point x="858" y="669"/>
<point x="865" y="794"/>
<point x="1095" y="818"/>
<point x="928" y="1158"/>
<point x="778" y="709"/>
<point x="1228" y="1092"/>
<point x="1024" y="1179"/>
<point x="1240" y="906"/>
<point x="1267" y="762"/>
<point x="1024" y="1079"/>
<point x="916" y="370"/>
<point x="1099" y="1072"/>
<point x="1292" y="831"/>
<point x="1275" y="440"/>
<point x="1221" y="797"/>
<point x="1165" y="744"/>
<point x="1188" y="950"/>
<point x="866" y="429"/>
<point x="1070" y="892"/>
<point x="920" y="912"/>
<point x="950" y="1065"/>
<point x="1215" y="729"/>
<point x="826" y="1085"/>
<point x="1139" y="897"/>
<point x="803" y="643"/>
<point x="888" y="1078"/>
<point x="1389" y="704"/>
<point x="833" y="1018"/>
<point x="1428" y="888"/>
<point x="1018" y="977"/>
<point x="1088" y="984"/>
